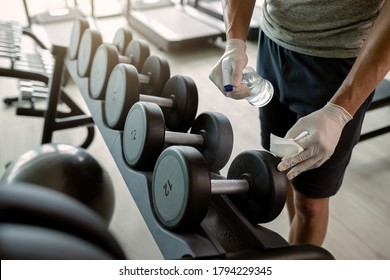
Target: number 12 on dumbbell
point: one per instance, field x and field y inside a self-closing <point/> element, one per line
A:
<point x="145" y="136"/>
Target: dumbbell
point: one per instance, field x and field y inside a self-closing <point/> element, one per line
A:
<point x="144" y="136"/>
<point x="41" y="59"/>
<point x="68" y="169"/>
<point x="10" y="37"/>
<point x="53" y="220"/>
<point x="24" y="66"/>
<point x="178" y="95"/>
<point x="78" y="28"/>
<point x="120" y="40"/>
<point x="30" y="90"/>
<point x="105" y="59"/>
<point x="89" y="43"/>
<point x="182" y="187"/>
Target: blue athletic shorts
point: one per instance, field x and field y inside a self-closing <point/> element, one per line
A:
<point x="302" y="85"/>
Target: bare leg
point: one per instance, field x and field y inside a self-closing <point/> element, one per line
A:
<point x="290" y="202"/>
<point x="310" y="221"/>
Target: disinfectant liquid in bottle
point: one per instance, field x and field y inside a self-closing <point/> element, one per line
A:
<point x="260" y="88"/>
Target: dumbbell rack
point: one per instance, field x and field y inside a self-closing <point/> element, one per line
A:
<point x="32" y="67"/>
<point x="49" y="79"/>
<point x="223" y="234"/>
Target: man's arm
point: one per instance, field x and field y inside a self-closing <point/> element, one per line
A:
<point x="370" y="67"/>
<point x="237" y="17"/>
<point x="324" y="126"/>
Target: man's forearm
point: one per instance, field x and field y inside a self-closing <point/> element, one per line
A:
<point x="370" y="67"/>
<point x="237" y="17"/>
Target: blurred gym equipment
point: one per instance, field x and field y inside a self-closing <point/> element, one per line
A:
<point x="68" y="169"/>
<point x="162" y="23"/>
<point x="40" y="223"/>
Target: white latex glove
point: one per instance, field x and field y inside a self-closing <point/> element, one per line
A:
<point x="235" y="53"/>
<point x="324" y="128"/>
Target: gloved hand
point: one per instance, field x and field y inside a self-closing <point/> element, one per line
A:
<point x="324" y="128"/>
<point x="235" y="52"/>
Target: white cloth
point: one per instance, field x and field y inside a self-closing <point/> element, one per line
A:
<point x="286" y="148"/>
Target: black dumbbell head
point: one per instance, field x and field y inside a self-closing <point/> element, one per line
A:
<point x="143" y="135"/>
<point x="268" y="186"/>
<point x="122" y="38"/>
<point x="104" y="61"/>
<point x="122" y="93"/>
<point x="106" y="58"/>
<point x="79" y="26"/>
<point x="183" y="91"/>
<point x="157" y="68"/>
<point x="181" y="188"/>
<point x="89" y="43"/>
<point x="218" y="134"/>
<point x="138" y="51"/>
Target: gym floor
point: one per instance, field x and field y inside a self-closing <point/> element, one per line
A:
<point x="359" y="227"/>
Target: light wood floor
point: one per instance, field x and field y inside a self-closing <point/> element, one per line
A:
<point x="359" y="225"/>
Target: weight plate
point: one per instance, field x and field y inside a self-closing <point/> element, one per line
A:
<point x="218" y="133"/>
<point x="122" y="38"/>
<point x="79" y="26"/>
<point x="181" y="188"/>
<point x="122" y="92"/>
<point x="138" y="51"/>
<point x="104" y="61"/>
<point x="268" y="192"/>
<point x="157" y="69"/>
<point x="143" y="135"/>
<point x="90" y="41"/>
<point x="184" y="92"/>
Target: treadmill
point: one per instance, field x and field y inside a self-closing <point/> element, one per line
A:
<point x="172" y="26"/>
<point x="214" y="8"/>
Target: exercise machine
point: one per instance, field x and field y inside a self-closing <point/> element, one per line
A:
<point x="214" y="8"/>
<point x="174" y="26"/>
